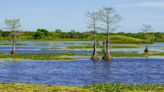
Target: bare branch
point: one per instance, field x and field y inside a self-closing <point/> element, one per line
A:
<point x="13" y="25"/>
<point x="93" y="16"/>
<point x="147" y="28"/>
<point x="108" y="16"/>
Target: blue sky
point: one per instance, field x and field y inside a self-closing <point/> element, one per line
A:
<point x="71" y="14"/>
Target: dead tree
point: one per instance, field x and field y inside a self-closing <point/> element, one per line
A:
<point x="146" y="29"/>
<point x="13" y="25"/>
<point x="92" y="26"/>
<point x="109" y="18"/>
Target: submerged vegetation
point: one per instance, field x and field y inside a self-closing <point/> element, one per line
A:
<point x="106" y="87"/>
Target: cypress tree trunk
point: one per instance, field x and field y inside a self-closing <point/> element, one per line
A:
<point x="146" y="49"/>
<point x="94" y="55"/>
<point x="104" y="49"/>
<point x="107" y="56"/>
<point x="13" y="51"/>
<point x="14" y="40"/>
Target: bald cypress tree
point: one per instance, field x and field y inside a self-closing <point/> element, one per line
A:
<point x="92" y="26"/>
<point x="109" y="18"/>
<point x="146" y="29"/>
<point x="13" y="25"/>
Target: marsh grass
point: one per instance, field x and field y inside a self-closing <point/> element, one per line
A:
<point x="38" y="56"/>
<point x="17" y="87"/>
<point x="69" y="56"/>
<point x="113" y="87"/>
<point x="100" y="47"/>
<point x="105" y="87"/>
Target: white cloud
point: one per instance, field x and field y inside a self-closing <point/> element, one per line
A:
<point x="145" y="4"/>
<point x="150" y="4"/>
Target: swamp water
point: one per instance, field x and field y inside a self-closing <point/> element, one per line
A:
<point x="60" y="47"/>
<point x="80" y="72"/>
<point x="84" y="72"/>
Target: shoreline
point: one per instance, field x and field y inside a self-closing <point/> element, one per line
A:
<point x="74" y="56"/>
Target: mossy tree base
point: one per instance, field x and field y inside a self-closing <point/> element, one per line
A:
<point x="13" y="52"/>
<point x="107" y="57"/>
<point x="94" y="57"/>
<point x="146" y="51"/>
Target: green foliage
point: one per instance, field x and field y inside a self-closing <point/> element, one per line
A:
<point x="38" y="35"/>
<point x="41" y="33"/>
<point x="58" y="35"/>
<point x="58" y="31"/>
<point x="73" y="35"/>
<point x="46" y="33"/>
<point x="1" y="33"/>
<point x="5" y="34"/>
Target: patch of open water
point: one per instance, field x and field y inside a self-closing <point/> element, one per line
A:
<point x="84" y="72"/>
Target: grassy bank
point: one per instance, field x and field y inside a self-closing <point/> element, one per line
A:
<point x="99" y="47"/>
<point x="38" y="56"/>
<point x="16" y="87"/>
<point x="114" y="38"/>
<point x="106" y="87"/>
<point x="69" y="56"/>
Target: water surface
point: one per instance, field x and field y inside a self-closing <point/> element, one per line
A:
<point x="84" y="72"/>
<point x="61" y="47"/>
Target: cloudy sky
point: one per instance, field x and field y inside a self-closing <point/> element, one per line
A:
<point x="71" y="14"/>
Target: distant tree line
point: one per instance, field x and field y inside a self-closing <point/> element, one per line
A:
<point x="58" y="33"/>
